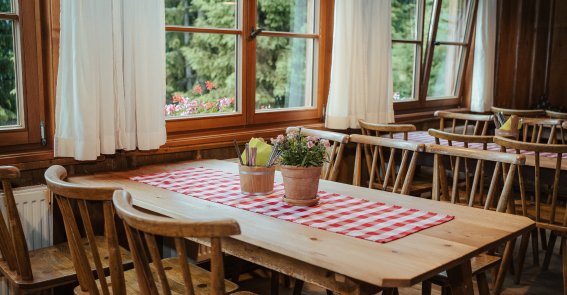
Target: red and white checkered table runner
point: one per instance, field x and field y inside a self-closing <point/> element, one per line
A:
<point x="363" y="219"/>
<point x="424" y="137"/>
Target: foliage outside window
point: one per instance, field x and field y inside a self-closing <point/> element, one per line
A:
<point x="414" y="22"/>
<point x="206" y="50"/>
<point x="9" y="97"/>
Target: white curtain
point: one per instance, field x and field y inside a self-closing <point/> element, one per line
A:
<point x="111" y="79"/>
<point x="482" y="95"/>
<point x="361" y="74"/>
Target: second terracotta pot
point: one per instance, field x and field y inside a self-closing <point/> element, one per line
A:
<point x="301" y="184"/>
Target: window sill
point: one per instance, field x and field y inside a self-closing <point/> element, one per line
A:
<point x="176" y="143"/>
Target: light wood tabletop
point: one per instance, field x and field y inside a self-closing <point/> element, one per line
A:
<point x="337" y="262"/>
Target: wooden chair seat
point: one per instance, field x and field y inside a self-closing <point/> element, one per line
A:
<point x="199" y="277"/>
<point x="545" y="214"/>
<point x="52" y="266"/>
<point x="417" y="188"/>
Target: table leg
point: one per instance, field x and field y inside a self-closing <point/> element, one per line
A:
<point x="460" y="279"/>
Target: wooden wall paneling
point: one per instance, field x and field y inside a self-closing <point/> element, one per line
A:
<point x="522" y="53"/>
<point x="558" y="64"/>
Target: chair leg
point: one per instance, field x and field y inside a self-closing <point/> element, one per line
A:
<point x="564" y="258"/>
<point x="535" y="247"/>
<point x="482" y="283"/>
<point x="504" y="264"/>
<point x="275" y="283"/>
<point x="522" y="256"/>
<point x="426" y="288"/>
<point x="329" y="292"/>
<point x="543" y="237"/>
<point x="298" y="287"/>
<point x="549" y="251"/>
<point x="446" y="290"/>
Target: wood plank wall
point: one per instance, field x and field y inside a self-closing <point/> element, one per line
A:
<point x="531" y="53"/>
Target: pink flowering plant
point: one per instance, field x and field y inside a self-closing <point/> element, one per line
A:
<point x="299" y="150"/>
<point x="204" y="101"/>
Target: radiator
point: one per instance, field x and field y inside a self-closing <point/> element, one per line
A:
<point x="34" y="207"/>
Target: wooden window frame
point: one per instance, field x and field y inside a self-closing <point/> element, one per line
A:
<point x="30" y="74"/>
<point x="423" y="102"/>
<point x="247" y="115"/>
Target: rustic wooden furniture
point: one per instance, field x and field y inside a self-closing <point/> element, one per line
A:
<point x="545" y="161"/>
<point x="537" y="130"/>
<point x="520" y="113"/>
<point x="29" y="271"/>
<point x="336" y="262"/>
<point x="105" y="249"/>
<point x="472" y="124"/>
<point x="390" y="131"/>
<point x="466" y="141"/>
<point x="495" y="199"/>
<point x="547" y="210"/>
<point x="562" y="116"/>
<point x="338" y="142"/>
<point x="385" y="130"/>
<point x="380" y="155"/>
<point x="141" y="231"/>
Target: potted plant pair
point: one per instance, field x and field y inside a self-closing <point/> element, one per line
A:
<point x="302" y="158"/>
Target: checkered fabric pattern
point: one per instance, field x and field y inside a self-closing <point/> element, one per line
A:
<point x="363" y="219"/>
<point x="424" y="137"/>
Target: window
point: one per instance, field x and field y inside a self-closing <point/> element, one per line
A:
<point x="20" y="111"/>
<point x="430" y="42"/>
<point x="235" y="63"/>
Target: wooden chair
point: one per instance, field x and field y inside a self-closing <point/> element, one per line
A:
<point x="563" y="127"/>
<point x="29" y="271"/>
<point x="478" y="123"/>
<point x="520" y="113"/>
<point x="383" y="130"/>
<point x="384" y="173"/>
<point x="495" y="199"/>
<point x="547" y="212"/>
<point x="173" y="275"/>
<point x="338" y="142"/>
<point x="92" y="203"/>
<point x="466" y="141"/>
<point x="536" y="130"/>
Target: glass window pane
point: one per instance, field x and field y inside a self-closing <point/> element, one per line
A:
<point x="453" y="20"/>
<point x="284" y="72"/>
<point x="201" y="74"/>
<point x="403" y="70"/>
<point x="201" y="13"/>
<point x="6" y="6"/>
<point x="404" y="19"/>
<point x="445" y="71"/>
<point x="297" y="16"/>
<point x="8" y="86"/>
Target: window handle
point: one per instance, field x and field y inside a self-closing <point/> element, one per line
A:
<point x="255" y="32"/>
<point x="436" y="43"/>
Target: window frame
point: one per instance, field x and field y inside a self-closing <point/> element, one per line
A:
<point x="247" y="115"/>
<point x="423" y="101"/>
<point x="27" y="41"/>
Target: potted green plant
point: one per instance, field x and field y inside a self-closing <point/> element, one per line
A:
<point x="301" y="159"/>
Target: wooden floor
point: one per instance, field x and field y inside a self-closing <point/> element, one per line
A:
<point x="534" y="281"/>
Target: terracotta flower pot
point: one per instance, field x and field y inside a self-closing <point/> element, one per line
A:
<point x="301" y="184"/>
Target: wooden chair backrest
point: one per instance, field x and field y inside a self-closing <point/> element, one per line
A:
<point x="505" y="167"/>
<point x="520" y="113"/>
<point x="479" y="123"/>
<point x="539" y="182"/>
<point x="465" y="139"/>
<point x="377" y="129"/>
<point x="382" y="167"/>
<point x="338" y="143"/>
<point x="533" y="130"/>
<point x="556" y="115"/>
<point x="70" y="196"/>
<point x="13" y="246"/>
<point x="141" y="231"/>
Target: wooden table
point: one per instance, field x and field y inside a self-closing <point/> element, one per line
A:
<point x="337" y="262"/>
<point x="545" y="162"/>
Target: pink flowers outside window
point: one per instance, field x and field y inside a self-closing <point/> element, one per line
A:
<point x="206" y="100"/>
